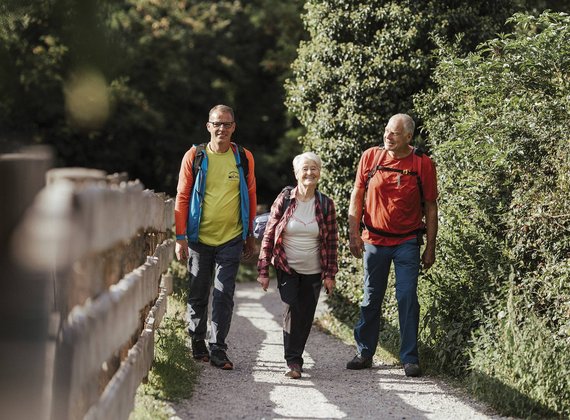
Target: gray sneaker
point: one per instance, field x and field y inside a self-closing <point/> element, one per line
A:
<point x="412" y="369"/>
<point x="359" y="362"/>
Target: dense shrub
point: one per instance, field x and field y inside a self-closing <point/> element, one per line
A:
<point x="159" y="66"/>
<point x="499" y="298"/>
<point x="363" y="62"/>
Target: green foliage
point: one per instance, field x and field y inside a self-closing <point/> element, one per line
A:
<point x="164" y="65"/>
<point x="364" y="61"/>
<point x="519" y="366"/>
<point x="498" y="300"/>
<point x="537" y="6"/>
<point x="174" y="371"/>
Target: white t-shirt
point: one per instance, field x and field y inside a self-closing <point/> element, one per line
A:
<point x="301" y="239"/>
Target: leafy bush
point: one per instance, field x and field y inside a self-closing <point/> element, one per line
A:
<point x="496" y="123"/>
<point x="498" y="299"/>
<point x="363" y="62"/>
<point x="162" y="65"/>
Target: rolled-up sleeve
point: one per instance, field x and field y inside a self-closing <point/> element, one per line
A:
<point x="268" y="241"/>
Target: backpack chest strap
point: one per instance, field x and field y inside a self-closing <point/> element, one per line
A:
<point x="401" y="171"/>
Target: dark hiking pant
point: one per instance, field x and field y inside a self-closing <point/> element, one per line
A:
<point x="220" y="264"/>
<point x="300" y="294"/>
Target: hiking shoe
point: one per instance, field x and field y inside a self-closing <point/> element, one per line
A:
<point x="294" y="371"/>
<point x="219" y="359"/>
<point x="200" y="351"/>
<point x="359" y="362"/>
<point x="412" y="369"/>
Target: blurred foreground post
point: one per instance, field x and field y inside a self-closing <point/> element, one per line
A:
<point x="87" y="285"/>
<point x="26" y="298"/>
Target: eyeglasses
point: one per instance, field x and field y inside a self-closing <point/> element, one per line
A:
<point x="217" y="124"/>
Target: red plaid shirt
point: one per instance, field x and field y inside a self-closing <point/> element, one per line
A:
<point x="272" y="250"/>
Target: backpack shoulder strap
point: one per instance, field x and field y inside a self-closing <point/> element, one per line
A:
<point x="373" y="170"/>
<point x="287" y="200"/>
<point x="286" y="191"/>
<point x="244" y="163"/>
<point x="198" y="158"/>
<point x="324" y="200"/>
<point x="418" y="153"/>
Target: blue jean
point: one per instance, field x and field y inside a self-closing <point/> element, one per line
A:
<point x="377" y="261"/>
<point x="220" y="264"/>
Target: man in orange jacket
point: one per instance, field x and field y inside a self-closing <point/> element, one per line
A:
<point x="214" y="212"/>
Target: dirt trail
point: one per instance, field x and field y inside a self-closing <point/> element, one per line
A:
<point x="258" y="389"/>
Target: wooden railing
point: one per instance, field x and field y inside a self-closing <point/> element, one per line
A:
<point x="91" y="252"/>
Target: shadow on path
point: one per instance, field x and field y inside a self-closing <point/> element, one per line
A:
<point x="258" y="389"/>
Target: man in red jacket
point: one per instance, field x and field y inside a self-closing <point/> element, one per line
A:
<point x="395" y="188"/>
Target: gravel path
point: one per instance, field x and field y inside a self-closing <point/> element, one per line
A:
<point x="258" y="389"/>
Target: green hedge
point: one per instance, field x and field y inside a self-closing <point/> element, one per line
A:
<point x="496" y="306"/>
<point x="364" y="61"/>
<point x="498" y="301"/>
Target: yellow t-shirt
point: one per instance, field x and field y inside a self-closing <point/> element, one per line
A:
<point x="221" y="220"/>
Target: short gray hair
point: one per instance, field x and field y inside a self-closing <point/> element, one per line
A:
<point x="409" y="123"/>
<point x="223" y="109"/>
<point x="299" y="159"/>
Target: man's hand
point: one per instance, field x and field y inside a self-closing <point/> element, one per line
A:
<point x="264" y="282"/>
<point x="354" y="216"/>
<point x="329" y="285"/>
<point x="356" y="245"/>
<point x="248" y="247"/>
<point x="182" y="249"/>
<point x="428" y="257"/>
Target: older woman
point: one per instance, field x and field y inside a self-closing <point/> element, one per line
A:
<point x="300" y="241"/>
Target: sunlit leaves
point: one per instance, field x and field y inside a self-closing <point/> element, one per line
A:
<point x="501" y="141"/>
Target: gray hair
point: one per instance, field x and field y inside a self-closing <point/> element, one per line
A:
<point x="409" y="123"/>
<point x="299" y="159"/>
<point x="223" y="109"/>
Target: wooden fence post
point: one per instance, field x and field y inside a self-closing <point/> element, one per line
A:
<point x="25" y="301"/>
<point x="83" y="294"/>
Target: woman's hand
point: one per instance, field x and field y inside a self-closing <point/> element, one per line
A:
<point x="329" y="285"/>
<point x="264" y="282"/>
